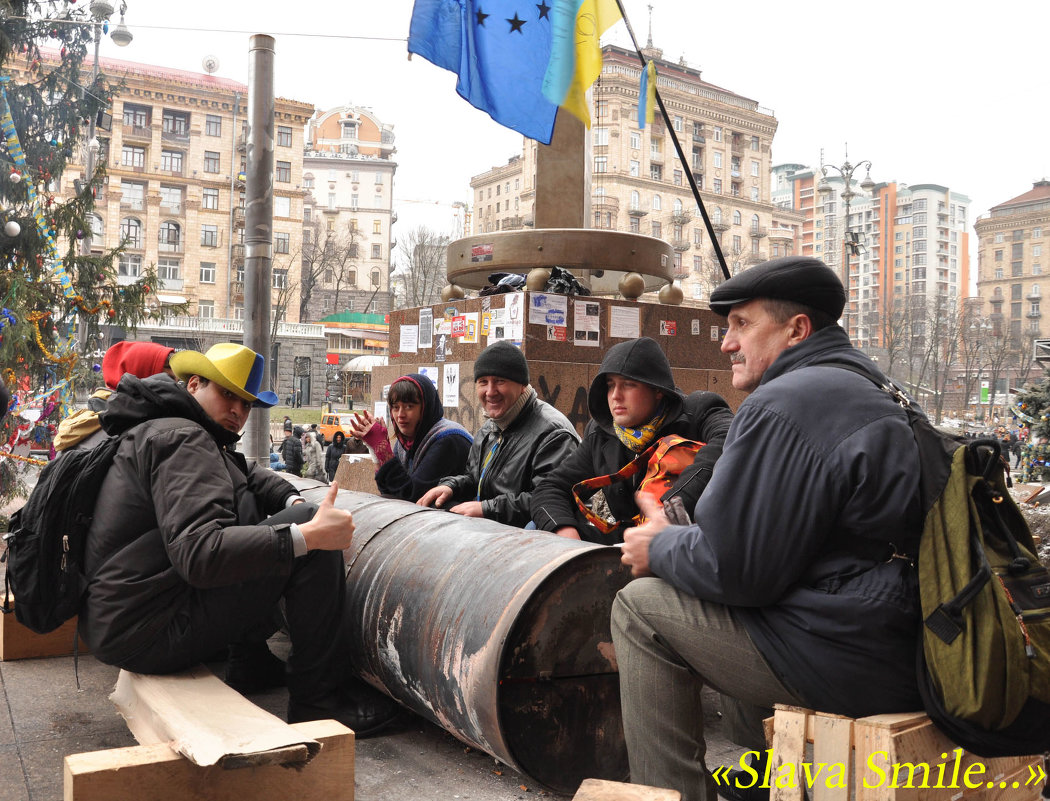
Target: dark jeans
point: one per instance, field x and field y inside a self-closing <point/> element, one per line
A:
<point x="209" y="619"/>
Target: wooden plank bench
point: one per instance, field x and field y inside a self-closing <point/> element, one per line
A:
<point x="18" y="642"/>
<point x="201" y="739"/>
<point x="896" y="757"/>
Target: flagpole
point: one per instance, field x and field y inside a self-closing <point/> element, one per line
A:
<point x="681" y="154"/>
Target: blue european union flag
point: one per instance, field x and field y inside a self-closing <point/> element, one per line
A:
<point x="500" y="50"/>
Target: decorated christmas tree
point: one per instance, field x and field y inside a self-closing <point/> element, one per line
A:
<point x="56" y="293"/>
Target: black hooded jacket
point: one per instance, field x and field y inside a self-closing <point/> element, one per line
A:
<point x="439" y="447"/>
<point x="177" y="510"/>
<point x="701" y="416"/>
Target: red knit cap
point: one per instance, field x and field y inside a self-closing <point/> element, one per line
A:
<point x="141" y="359"/>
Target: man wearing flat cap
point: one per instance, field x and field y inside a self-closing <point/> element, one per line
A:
<point x="179" y="565"/>
<point x="783" y="589"/>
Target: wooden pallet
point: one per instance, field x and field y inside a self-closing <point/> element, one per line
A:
<point x="18" y="642"/>
<point x="897" y="757"/>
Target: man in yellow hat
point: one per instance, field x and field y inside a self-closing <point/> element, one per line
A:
<point x="177" y="561"/>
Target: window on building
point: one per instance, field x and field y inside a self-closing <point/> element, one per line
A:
<point x="283" y="172"/>
<point x="280" y="279"/>
<point x="210" y="236"/>
<point x="754" y="145"/>
<point x="170" y="236"/>
<point x="716" y="186"/>
<point x="737" y="242"/>
<point x="130" y="265"/>
<point x="636" y="200"/>
<point x="717" y="156"/>
<point x="656" y="229"/>
<point x="601" y="163"/>
<point x="175" y="122"/>
<point x="737" y="217"/>
<point x="207" y="274"/>
<point x="169" y="269"/>
<point x="210" y="198"/>
<point x="656" y="172"/>
<point x="284" y="136"/>
<point x="133" y="156"/>
<point x="698" y="236"/>
<point x="601" y="136"/>
<point x="1037" y="251"/>
<point x="377" y="226"/>
<point x="281" y="242"/>
<point x="635" y="168"/>
<point x="377" y="251"/>
<point x="206" y="309"/>
<point x="718" y="133"/>
<point x="282" y="206"/>
<point x="171" y="198"/>
<point x="676" y="177"/>
<point x="171" y="160"/>
<point x="136" y="116"/>
<point x="636" y="140"/>
<point x="131" y="232"/>
<point x="754" y="194"/>
<point x="658" y="203"/>
<point x="754" y="168"/>
<point x="998" y="239"/>
<point x="1037" y="233"/>
<point x="633" y="225"/>
<point x="213" y="125"/>
<point x="211" y="161"/>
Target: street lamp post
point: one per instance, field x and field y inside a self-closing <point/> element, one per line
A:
<point x="101" y="11"/>
<point x="850" y="241"/>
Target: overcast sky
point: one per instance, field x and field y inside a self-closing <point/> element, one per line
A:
<point x="928" y="91"/>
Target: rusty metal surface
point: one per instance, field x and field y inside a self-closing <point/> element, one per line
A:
<point x="498" y="635"/>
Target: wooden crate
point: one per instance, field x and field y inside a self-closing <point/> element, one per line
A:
<point x="897" y="757"/>
<point x="18" y="642"/>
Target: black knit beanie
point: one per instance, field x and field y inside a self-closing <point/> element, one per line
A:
<point x="503" y="360"/>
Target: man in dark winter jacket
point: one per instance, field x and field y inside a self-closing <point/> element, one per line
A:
<point x="633" y="403"/>
<point x="291" y="450"/>
<point x="179" y="564"/>
<point x="785" y="589"/>
<point x="522" y="440"/>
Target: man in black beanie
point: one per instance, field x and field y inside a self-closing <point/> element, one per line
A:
<point x="522" y="440"/>
<point x="784" y="589"/>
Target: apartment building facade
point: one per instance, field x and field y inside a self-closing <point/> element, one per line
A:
<point x="173" y="194"/>
<point x="1010" y="262"/>
<point x="348" y="174"/>
<point x="638" y="183"/>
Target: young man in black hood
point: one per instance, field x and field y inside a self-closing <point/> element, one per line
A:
<point x="633" y="403"/>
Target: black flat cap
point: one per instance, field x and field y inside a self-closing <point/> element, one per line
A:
<point x="796" y="278"/>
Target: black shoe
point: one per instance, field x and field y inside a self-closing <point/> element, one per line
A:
<point x="252" y="668"/>
<point x="359" y="706"/>
<point x="741" y="785"/>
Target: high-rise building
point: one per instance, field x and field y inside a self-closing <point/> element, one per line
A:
<point x="1010" y="241"/>
<point x="638" y="183"/>
<point x="348" y="173"/>
<point x="902" y="252"/>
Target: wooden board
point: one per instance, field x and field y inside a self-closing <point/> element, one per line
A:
<point x="158" y="773"/>
<point x="205" y="720"/>
<point x="18" y="642"/>
<point x="602" y="790"/>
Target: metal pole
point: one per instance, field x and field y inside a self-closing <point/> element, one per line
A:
<point x="258" y="226"/>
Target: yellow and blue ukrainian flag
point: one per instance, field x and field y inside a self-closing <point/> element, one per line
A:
<point x="517" y="61"/>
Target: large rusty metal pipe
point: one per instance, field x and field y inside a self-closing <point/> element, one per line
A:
<point x="498" y="635"/>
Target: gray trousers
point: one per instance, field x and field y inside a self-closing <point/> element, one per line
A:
<point x="669" y="645"/>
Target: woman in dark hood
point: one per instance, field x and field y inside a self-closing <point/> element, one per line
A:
<point x="427" y="446"/>
<point x="334" y="453"/>
<point x="633" y="402"/>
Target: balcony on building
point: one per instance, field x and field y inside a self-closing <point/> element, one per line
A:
<point x="238" y="217"/>
<point x="238" y="256"/>
<point x="139" y="133"/>
<point x="237" y="291"/>
<point x="736" y="144"/>
<point x="698" y="179"/>
<point x="512" y="223"/>
<point x="656" y="158"/>
<point x="756" y="258"/>
<point x="605" y="203"/>
<point x="681" y="218"/>
<point x="681" y="245"/>
<point x="720" y="225"/>
<point x="637" y="211"/>
<point x="169" y="244"/>
<point x="1033" y="295"/>
<point x="1034" y="314"/>
<point x="735" y="190"/>
<point x="242" y="142"/>
<point x="781" y="234"/>
<point x="758" y="231"/>
<point x="172" y="207"/>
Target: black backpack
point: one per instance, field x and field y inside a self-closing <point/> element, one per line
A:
<point x="45" y="543"/>
<point x="983" y="662"/>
